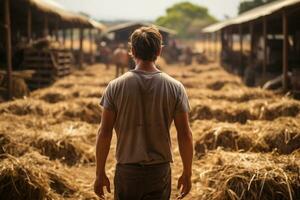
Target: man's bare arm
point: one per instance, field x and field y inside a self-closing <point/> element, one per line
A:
<point x="185" y="143"/>
<point x="102" y="149"/>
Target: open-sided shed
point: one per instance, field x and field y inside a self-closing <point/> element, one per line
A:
<point x="121" y="33"/>
<point x="267" y="37"/>
<point x="32" y="19"/>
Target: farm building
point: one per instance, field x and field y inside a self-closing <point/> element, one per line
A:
<point x="262" y="44"/>
<point x="120" y="33"/>
<point x="34" y="38"/>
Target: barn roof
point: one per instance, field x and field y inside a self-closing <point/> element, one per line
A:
<point x="53" y="8"/>
<point x="132" y="24"/>
<point x="253" y="14"/>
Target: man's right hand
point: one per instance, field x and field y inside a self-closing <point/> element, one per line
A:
<point x="185" y="183"/>
<point x="99" y="184"/>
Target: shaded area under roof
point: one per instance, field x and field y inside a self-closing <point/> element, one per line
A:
<point x="253" y="14"/>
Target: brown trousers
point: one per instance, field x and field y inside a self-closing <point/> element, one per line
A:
<point x="137" y="182"/>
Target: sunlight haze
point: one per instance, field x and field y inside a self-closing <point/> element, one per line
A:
<point x="144" y="10"/>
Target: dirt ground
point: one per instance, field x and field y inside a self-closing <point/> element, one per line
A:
<point x="238" y="132"/>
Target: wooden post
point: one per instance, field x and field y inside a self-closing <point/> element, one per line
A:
<point x="251" y="33"/>
<point x="216" y="45"/>
<point x="241" y="44"/>
<point x="285" y="49"/>
<point x="91" y="45"/>
<point x="46" y="28"/>
<point x="72" y="39"/>
<point x="80" y="48"/>
<point x="64" y="37"/>
<point x="56" y="31"/>
<point x="29" y="24"/>
<point x="8" y="46"/>
<point x="265" y="41"/>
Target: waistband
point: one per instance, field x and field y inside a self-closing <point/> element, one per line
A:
<point x="142" y="165"/>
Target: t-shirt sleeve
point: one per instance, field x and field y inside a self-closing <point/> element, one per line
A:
<point x="107" y="99"/>
<point x="182" y="104"/>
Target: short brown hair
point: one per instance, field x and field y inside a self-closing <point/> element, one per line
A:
<point x="146" y="43"/>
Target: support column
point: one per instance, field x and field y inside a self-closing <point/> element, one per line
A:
<point x="265" y="47"/>
<point x="80" y="61"/>
<point x="64" y="37"/>
<point x="72" y="39"/>
<point x="251" y="33"/>
<point x="8" y="46"/>
<point x="285" y="49"/>
<point x="29" y="24"/>
<point x="241" y="44"/>
<point x="91" y="45"/>
<point x="56" y="31"/>
<point x="46" y="27"/>
<point x="216" y="45"/>
<point x="206" y="43"/>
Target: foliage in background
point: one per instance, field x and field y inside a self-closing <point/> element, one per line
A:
<point x="250" y="4"/>
<point x="186" y="18"/>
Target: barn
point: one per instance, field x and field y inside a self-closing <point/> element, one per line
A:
<point x="264" y="41"/>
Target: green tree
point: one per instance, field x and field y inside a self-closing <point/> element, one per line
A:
<point x="186" y="18"/>
<point x="250" y="4"/>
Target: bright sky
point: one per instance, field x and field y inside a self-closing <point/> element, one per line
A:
<point x="143" y="9"/>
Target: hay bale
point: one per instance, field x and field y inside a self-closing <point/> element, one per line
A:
<point x="65" y="150"/>
<point x="281" y="135"/>
<point x="33" y="176"/>
<point x="206" y="112"/>
<point x="224" y="137"/>
<point x="248" y="176"/>
<point x="9" y="146"/>
<point x="87" y="111"/>
<point x="282" y="108"/>
<point x="53" y="97"/>
<point x="25" y="107"/>
<point x="22" y="178"/>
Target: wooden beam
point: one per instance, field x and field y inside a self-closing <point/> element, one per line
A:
<point x="72" y="39"/>
<point x="7" y="27"/>
<point x="46" y="26"/>
<point x="251" y="33"/>
<point x="80" y="63"/>
<point x="206" y="44"/>
<point x="265" y="47"/>
<point x="64" y="37"/>
<point x="56" y="31"/>
<point x="285" y="49"/>
<point x="29" y="24"/>
<point x="216" y="45"/>
<point x="241" y="44"/>
<point x="91" y="45"/>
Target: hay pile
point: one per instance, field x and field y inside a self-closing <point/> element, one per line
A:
<point x="237" y="95"/>
<point x="84" y="109"/>
<point x="69" y="149"/>
<point x="226" y="111"/>
<point x="25" y="107"/>
<point x="33" y="176"/>
<point x="251" y="176"/>
<point x="281" y="135"/>
<point x="69" y="142"/>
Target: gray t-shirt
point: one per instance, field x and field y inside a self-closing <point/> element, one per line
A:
<point x="145" y="104"/>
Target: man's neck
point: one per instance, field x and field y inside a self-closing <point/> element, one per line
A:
<point x="147" y="66"/>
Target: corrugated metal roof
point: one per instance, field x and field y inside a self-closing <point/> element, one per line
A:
<point x="253" y="14"/>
